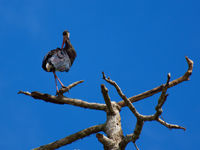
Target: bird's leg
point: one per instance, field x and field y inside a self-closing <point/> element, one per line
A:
<point x="56" y="82"/>
<point x="60" y="82"/>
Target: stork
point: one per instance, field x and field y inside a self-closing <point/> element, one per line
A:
<point x="60" y="59"/>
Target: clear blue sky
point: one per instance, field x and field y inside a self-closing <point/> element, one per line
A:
<point x="135" y="42"/>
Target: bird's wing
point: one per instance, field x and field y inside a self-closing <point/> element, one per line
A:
<point x="60" y="61"/>
<point x="47" y="57"/>
<point x="50" y="54"/>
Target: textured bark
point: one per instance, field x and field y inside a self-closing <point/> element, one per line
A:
<point x="64" y="100"/>
<point x="106" y="97"/>
<point x="114" y="139"/>
<point x="113" y="128"/>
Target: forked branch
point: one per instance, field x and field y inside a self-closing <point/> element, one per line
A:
<point x="60" y="99"/>
<point x="158" y="89"/>
<point x="142" y="118"/>
<point x="66" y="89"/>
<point x="114" y="138"/>
<point x="121" y="94"/>
<point x="105" y="140"/>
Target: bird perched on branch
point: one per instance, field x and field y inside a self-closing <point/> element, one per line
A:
<point x="60" y="59"/>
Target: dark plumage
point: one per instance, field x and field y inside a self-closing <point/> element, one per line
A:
<point x="60" y="59"/>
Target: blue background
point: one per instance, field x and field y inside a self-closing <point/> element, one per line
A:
<point x="135" y="42"/>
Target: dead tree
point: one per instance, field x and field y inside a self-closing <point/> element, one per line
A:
<point x="113" y="138"/>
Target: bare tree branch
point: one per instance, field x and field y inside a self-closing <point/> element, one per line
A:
<point x="114" y="138"/>
<point x="138" y="129"/>
<point x="134" y="136"/>
<point x="163" y="95"/>
<point x="141" y="118"/>
<point x="104" y="91"/>
<point x="105" y="140"/>
<point x="129" y="104"/>
<point x="60" y="99"/>
<point x="170" y="126"/>
<point x="66" y="89"/>
<point x="162" y="98"/>
<point x="74" y="137"/>
<point x="158" y="89"/>
<point x="112" y="129"/>
<point x="64" y="100"/>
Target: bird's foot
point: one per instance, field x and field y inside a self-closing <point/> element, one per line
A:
<point x="64" y="88"/>
<point x="58" y="93"/>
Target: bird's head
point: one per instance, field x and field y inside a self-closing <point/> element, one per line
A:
<point x="65" y="37"/>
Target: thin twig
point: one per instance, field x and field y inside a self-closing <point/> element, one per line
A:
<point x="24" y="92"/>
<point x="128" y="103"/>
<point x="170" y="126"/>
<point x="66" y="89"/>
<point x="162" y="98"/>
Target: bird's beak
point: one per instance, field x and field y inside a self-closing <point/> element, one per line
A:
<point x="63" y="43"/>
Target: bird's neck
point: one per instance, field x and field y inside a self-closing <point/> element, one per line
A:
<point x="70" y="50"/>
<point x="67" y="44"/>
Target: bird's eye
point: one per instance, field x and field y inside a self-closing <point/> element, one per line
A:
<point x="64" y="33"/>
